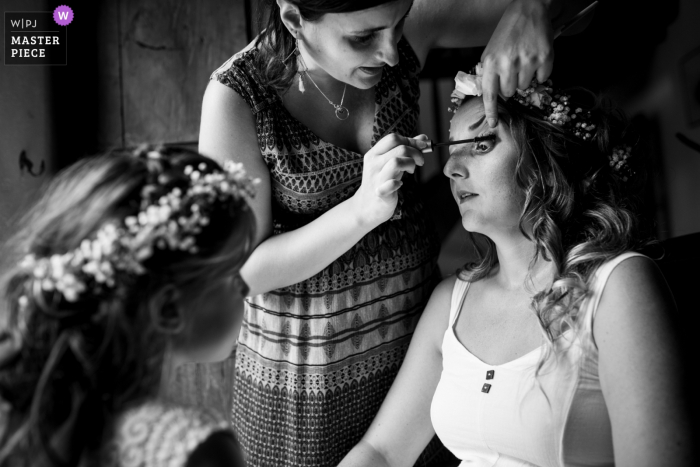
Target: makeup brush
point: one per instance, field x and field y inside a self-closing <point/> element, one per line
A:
<point x="581" y="14"/>
<point x="432" y="145"/>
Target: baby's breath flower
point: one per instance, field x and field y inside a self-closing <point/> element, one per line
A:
<point x="171" y="221"/>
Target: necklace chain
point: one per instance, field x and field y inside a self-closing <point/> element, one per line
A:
<point x="341" y="111"/>
<point x="324" y="95"/>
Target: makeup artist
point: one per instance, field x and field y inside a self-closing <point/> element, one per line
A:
<point x="345" y="259"/>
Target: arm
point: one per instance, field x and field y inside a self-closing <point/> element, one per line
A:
<point x="518" y="35"/>
<point x="228" y="132"/>
<point x="397" y="436"/>
<point x="640" y="367"/>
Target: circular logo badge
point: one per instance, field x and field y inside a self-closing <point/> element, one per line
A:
<point x="63" y="15"/>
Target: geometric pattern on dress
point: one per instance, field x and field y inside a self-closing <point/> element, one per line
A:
<point x="279" y="425"/>
<point x="316" y="358"/>
<point x="157" y="434"/>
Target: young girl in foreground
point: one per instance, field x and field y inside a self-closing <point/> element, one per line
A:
<point x="555" y="349"/>
<point x="126" y="267"/>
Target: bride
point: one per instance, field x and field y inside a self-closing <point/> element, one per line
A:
<point x="555" y="348"/>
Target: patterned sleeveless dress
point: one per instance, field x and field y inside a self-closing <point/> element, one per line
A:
<point x="316" y="359"/>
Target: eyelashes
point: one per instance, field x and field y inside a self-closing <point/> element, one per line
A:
<point x="483" y="143"/>
<point x="363" y="40"/>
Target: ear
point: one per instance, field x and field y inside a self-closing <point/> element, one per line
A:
<point x="291" y="18"/>
<point x="167" y="311"/>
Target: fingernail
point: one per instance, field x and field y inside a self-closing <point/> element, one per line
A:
<point x="492" y="122"/>
<point x="420" y="144"/>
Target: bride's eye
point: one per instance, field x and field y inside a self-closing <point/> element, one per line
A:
<point x="485" y="144"/>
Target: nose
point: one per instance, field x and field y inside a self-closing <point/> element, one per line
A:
<point x="388" y="51"/>
<point x="455" y="168"/>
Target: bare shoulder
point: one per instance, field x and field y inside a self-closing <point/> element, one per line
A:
<point x="436" y="316"/>
<point x="443" y="291"/>
<point x="228" y="131"/>
<point x="221" y="99"/>
<point x="638" y="281"/>
<point x="635" y="300"/>
<point x="227" y="125"/>
<point x="641" y="366"/>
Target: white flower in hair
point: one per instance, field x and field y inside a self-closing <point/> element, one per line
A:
<point x="170" y="222"/>
<point x="466" y="85"/>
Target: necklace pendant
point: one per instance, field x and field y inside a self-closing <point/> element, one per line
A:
<point x="341" y="112"/>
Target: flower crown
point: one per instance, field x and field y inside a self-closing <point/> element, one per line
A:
<point x="168" y="222"/>
<point x="553" y="104"/>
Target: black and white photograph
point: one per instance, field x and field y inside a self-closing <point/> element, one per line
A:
<point x="349" y="233"/>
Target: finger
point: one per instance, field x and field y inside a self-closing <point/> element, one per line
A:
<point x="390" y="142"/>
<point x="424" y="145"/>
<point x="421" y="137"/>
<point x="525" y="77"/>
<point x="419" y="142"/>
<point x="508" y="82"/>
<point x="545" y="69"/>
<point x="489" y="87"/>
<point x="403" y="152"/>
<point x="395" y="168"/>
<point x="388" y="187"/>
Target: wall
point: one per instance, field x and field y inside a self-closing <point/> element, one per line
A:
<point x="155" y="60"/>
<point x="664" y="100"/>
<point x="25" y="125"/>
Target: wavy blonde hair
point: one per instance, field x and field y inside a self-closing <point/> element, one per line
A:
<point x="582" y="213"/>
<point x="80" y="363"/>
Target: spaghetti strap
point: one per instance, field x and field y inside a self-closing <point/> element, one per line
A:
<point x="598" y="285"/>
<point x="459" y="292"/>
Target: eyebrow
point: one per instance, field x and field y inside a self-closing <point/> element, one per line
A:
<point x="474" y="126"/>
<point x="379" y="28"/>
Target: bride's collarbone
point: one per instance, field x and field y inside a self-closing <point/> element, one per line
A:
<point x="490" y="305"/>
<point x="315" y="113"/>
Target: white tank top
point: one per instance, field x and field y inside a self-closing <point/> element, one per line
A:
<point x="500" y="415"/>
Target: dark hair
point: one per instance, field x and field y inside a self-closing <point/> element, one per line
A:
<point x="80" y="363"/>
<point x="275" y="44"/>
<point x="581" y="210"/>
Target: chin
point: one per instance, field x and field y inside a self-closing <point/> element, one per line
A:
<point x="470" y="224"/>
<point x="363" y="81"/>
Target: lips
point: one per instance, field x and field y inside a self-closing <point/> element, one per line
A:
<point x="464" y="195"/>
<point x="372" y="70"/>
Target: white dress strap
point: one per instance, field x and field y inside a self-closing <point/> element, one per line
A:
<point x="598" y="285"/>
<point x="459" y="292"/>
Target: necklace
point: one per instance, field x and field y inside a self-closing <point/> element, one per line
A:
<point x="341" y="112"/>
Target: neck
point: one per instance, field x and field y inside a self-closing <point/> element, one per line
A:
<point x="328" y="84"/>
<point x="171" y="362"/>
<point x="516" y="268"/>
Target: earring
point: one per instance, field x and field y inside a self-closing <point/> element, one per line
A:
<point x="296" y="53"/>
